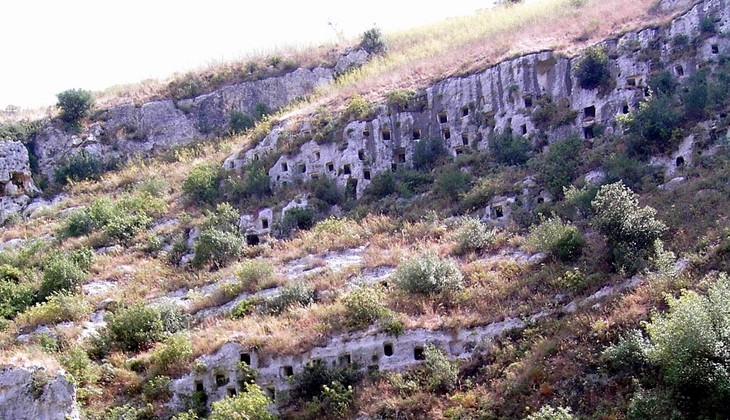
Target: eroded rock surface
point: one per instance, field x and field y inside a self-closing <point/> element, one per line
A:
<point x="33" y="394"/>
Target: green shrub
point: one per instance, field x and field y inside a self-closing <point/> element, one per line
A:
<point x="135" y="327"/>
<point x="630" y="230"/>
<point x="253" y="274"/>
<point x="382" y="185"/>
<point x="217" y="248"/>
<point x="239" y="121"/>
<point x="261" y="110"/>
<point x="559" y="166"/>
<point x="173" y="356"/>
<point x="173" y="318"/>
<point x="400" y="98"/>
<point x="157" y="388"/>
<point x="250" y="404"/>
<point x="663" y="84"/>
<point x="427" y="273"/>
<point x="326" y="190"/>
<point x="471" y="235"/>
<point x="652" y="404"/>
<point x="547" y="412"/>
<point x="58" y="307"/>
<point x="688" y="344"/>
<point x="84" y="373"/>
<point x="62" y="274"/>
<point x="697" y="96"/>
<point x="358" y="108"/>
<point x="82" y="166"/>
<point x="451" y="183"/>
<point x="619" y="167"/>
<point x="15" y="297"/>
<point x="290" y="295"/>
<point x="252" y="182"/>
<point x="301" y="218"/>
<point x="243" y="308"/>
<point x="628" y="355"/>
<point x="549" y="114"/>
<point x="202" y="184"/>
<point x="592" y="68"/>
<point x="654" y="124"/>
<point x="372" y="41"/>
<point x="335" y="401"/>
<point x="75" y="104"/>
<point x="509" y="149"/>
<point x="309" y="383"/>
<point x="428" y="154"/>
<point x="557" y="239"/>
<point x="155" y="186"/>
<point x="441" y="375"/>
<point x="363" y="306"/>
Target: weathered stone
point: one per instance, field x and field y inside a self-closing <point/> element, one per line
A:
<point x="33" y="394"/>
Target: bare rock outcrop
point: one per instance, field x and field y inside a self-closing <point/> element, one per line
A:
<point x="33" y="394"/>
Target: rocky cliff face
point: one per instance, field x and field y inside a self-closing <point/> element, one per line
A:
<point x="510" y="96"/>
<point x="128" y="130"/>
<point x="16" y="184"/>
<point x="33" y="394"/>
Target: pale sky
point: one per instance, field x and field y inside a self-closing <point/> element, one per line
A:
<point x="49" y="46"/>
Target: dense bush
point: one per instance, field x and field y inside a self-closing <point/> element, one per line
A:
<point x="428" y="154"/>
<point x="119" y="220"/>
<point x="363" y="306"/>
<point x="135" y="327"/>
<point x="592" y="68"/>
<point x="557" y="239"/>
<point x="620" y="167"/>
<point x="326" y="190"/>
<point x="252" y="182"/>
<point x="427" y="273"/>
<point x="80" y="167"/>
<point x="239" y="121"/>
<point x="255" y="274"/>
<point x="559" y="166"/>
<point x="250" y="404"/>
<point x="74" y="104"/>
<point x="630" y="230"/>
<point x="217" y="247"/>
<point x="220" y="240"/>
<point x="63" y="273"/>
<point x="451" y="183"/>
<point x="372" y="41"/>
<point x="297" y="218"/>
<point x="173" y="356"/>
<point x="688" y="344"/>
<point x="290" y="295"/>
<point x="441" y="375"/>
<point x="84" y="373"/>
<point x="15" y="297"/>
<point x="653" y="124"/>
<point x="472" y="235"/>
<point x="203" y="183"/>
<point x="309" y="383"/>
<point x="58" y="307"/>
<point x="509" y="149"/>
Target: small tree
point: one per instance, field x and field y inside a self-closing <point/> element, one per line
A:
<point x="592" y="69"/>
<point x="74" y="104"/>
<point x="510" y="149"/>
<point x="630" y="230"/>
<point x="372" y="41"/>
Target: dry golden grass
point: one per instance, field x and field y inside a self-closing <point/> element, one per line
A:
<point x="462" y="45"/>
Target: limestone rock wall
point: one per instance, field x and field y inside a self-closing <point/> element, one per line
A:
<point x="32" y="394"/>
<point x="464" y="111"/>
<point x="127" y="130"/>
<point x="218" y="374"/>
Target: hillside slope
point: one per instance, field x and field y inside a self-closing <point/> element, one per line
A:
<point x="539" y="236"/>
